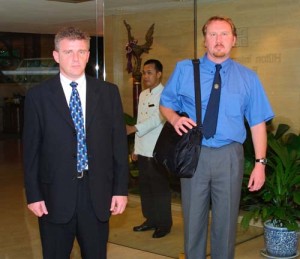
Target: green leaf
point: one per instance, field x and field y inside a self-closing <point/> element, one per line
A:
<point x="279" y="199"/>
<point x="129" y="119"/>
<point x="282" y="128"/>
<point x="296" y="197"/>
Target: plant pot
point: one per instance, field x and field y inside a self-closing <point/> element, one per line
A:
<point x="280" y="242"/>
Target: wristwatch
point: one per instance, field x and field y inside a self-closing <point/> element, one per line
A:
<point x="264" y="161"/>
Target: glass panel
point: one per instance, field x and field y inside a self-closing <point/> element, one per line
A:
<point x="26" y="45"/>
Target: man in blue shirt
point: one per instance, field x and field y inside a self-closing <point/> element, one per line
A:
<point x="218" y="178"/>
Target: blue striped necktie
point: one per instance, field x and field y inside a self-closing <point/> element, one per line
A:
<point x="77" y="116"/>
<point x="212" y="111"/>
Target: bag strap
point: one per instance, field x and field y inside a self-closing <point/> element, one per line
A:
<point x="196" y="65"/>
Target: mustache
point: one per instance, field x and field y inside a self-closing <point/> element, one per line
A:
<point x="219" y="45"/>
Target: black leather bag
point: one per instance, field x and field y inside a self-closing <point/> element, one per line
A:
<point x="180" y="154"/>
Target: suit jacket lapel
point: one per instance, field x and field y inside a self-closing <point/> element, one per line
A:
<point x="58" y="99"/>
<point x="92" y="100"/>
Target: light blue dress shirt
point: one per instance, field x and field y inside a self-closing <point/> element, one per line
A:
<point x="242" y="96"/>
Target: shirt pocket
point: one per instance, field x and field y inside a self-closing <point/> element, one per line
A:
<point x="234" y="106"/>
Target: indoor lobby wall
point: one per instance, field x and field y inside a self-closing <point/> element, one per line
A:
<point x="268" y="42"/>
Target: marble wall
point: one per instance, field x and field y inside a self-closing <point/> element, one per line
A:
<point x="268" y="42"/>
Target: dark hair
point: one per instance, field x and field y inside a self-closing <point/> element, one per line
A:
<point x="219" y="18"/>
<point x="71" y="33"/>
<point x="158" y="66"/>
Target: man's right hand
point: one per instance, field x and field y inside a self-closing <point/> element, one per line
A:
<point x="38" y="208"/>
<point x="182" y="124"/>
<point x="130" y="129"/>
<point x="134" y="157"/>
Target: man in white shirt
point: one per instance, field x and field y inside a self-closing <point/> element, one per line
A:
<point x="154" y="184"/>
<point x="75" y="153"/>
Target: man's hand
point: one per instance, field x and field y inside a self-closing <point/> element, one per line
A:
<point x="134" y="157"/>
<point x="38" y="208"/>
<point x="182" y="124"/>
<point x="118" y="204"/>
<point x="130" y="129"/>
<point x="257" y="178"/>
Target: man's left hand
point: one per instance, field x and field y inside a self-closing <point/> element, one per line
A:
<point x="118" y="204"/>
<point x="257" y="178"/>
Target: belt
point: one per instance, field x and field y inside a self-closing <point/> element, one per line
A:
<point x="82" y="174"/>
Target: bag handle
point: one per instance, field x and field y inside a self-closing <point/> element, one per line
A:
<point x="196" y="65"/>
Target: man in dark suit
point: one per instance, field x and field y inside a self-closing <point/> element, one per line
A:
<point x="74" y="194"/>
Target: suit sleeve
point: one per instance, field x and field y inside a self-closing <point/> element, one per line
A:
<point x="120" y="147"/>
<point x="31" y="145"/>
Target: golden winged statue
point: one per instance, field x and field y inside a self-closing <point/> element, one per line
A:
<point x="134" y="51"/>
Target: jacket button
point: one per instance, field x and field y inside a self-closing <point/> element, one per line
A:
<point x="74" y="156"/>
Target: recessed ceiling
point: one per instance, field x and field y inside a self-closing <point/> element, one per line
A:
<point x="47" y="16"/>
<point x="36" y="16"/>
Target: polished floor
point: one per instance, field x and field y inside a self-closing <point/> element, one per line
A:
<point x="19" y="237"/>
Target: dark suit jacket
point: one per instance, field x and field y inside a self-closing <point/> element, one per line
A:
<point x="49" y="143"/>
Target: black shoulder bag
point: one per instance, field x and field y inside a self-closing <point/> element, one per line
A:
<point x="180" y="154"/>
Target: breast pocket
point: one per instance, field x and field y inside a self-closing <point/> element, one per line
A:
<point x="234" y="106"/>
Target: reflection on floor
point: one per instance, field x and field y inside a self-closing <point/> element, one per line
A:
<point x="19" y="236"/>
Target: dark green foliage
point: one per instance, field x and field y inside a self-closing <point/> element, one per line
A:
<point x="279" y="199"/>
<point x="129" y="119"/>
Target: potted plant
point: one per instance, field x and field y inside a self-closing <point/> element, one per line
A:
<point x="277" y="204"/>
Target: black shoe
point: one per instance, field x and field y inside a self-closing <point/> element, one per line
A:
<point x="160" y="232"/>
<point x="143" y="227"/>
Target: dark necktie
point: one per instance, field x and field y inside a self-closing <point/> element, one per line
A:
<point x="77" y="116"/>
<point x="212" y="111"/>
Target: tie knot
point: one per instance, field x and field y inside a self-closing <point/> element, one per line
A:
<point x="73" y="84"/>
<point x="218" y="67"/>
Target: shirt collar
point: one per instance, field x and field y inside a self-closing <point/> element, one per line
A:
<point x="156" y="89"/>
<point x="66" y="81"/>
<point x="211" y="65"/>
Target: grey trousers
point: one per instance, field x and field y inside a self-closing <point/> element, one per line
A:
<point x="216" y="185"/>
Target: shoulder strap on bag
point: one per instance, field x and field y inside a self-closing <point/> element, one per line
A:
<point x="196" y="65"/>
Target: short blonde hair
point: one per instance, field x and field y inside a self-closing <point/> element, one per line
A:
<point x="71" y="33"/>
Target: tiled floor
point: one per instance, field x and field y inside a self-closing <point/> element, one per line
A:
<point x="19" y="237"/>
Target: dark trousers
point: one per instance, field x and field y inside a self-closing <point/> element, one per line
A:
<point x="155" y="193"/>
<point x="91" y="234"/>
